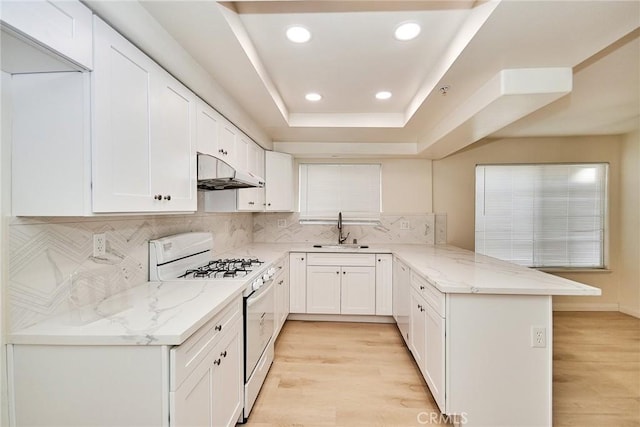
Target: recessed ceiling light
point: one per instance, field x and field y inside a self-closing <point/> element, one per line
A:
<point x="298" y="34"/>
<point x="383" y="95"/>
<point x="407" y="31"/>
<point x="313" y="97"/>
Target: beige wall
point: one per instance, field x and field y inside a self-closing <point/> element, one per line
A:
<point x="406" y="183"/>
<point x="630" y="225"/>
<point x="454" y="193"/>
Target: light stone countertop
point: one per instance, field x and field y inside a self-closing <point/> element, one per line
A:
<point x="167" y="313"/>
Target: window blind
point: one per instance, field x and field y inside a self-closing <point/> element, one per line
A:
<point x="326" y="189"/>
<point x="550" y="215"/>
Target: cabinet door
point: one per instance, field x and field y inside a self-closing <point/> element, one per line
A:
<point x="298" y="283"/>
<point x="250" y="199"/>
<point x="323" y="289"/>
<point x="384" y="282"/>
<point x="278" y="181"/>
<point x="434" y="355"/>
<point x="227" y="142"/>
<point x="282" y="302"/>
<point x="191" y="403"/>
<point x="62" y="26"/>
<point x="417" y="329"/>
<point x="358" y="290"/>
<point x="173" y="153"/>
<point x="228" y="381"/>
<point x="121" y="91"/>
<point x="255" y="159"/>
<point x="400" y="300"/>
<point x="208" y="124"/>
<point x="242" y="151"/>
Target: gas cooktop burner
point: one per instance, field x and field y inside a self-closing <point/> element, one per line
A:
<point x="223" y="269"/>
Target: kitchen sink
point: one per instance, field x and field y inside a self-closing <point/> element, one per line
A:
<point x="343" y="246"/>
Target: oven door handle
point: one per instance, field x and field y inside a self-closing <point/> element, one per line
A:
<point x="259" y="294"/>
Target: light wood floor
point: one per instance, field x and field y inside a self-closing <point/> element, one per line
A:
<point x="350" y="374"/>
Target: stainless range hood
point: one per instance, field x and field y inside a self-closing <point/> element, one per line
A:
<point x="215" y="174"/>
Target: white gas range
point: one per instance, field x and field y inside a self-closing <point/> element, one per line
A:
<point x="189" y="256"/>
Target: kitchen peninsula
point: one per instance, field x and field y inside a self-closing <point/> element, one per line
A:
<point x="479" y="329"/>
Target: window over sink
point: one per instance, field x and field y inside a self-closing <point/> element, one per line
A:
<point x="353" y="189"/>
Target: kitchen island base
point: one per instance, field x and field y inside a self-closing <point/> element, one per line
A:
<point x="496" y="372"/>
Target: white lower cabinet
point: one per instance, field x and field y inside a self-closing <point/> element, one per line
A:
<point x="323" y="289"/>
<point x="384" y="284"/>
<point x="281" y="283"/>
<point x="198" y="383"/>
<point x="341" y="283"/>
<point x="401" y="303"/>
<point x="212" y="394"/>
<point x="298" y="282"/>
<point x="427" y="334"/>
<point x="434" y="356"/>
<point x="417" y="329"/>
<point x="358" y="290"/>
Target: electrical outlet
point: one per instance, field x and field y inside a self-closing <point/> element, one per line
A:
<point x="538" y="337"/>
<point x="282" y="223"/>
<point x="99" y="245"/>
<point x="404" y="225"/>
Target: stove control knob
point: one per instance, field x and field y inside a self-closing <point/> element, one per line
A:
<point x="266" y="276"/>
<point x="256" y="284"/>
<point x="271" y="271"/>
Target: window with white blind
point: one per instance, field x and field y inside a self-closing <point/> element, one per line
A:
<point x="546" y="215"/>
<point x="326" y="189"/>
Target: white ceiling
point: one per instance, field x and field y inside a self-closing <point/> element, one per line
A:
<point x="463" y="44"/>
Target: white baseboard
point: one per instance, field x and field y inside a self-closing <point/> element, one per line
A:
<point x="569" y="306"/>
<point x="635" y="312"/>
<point x="341" y="318"/>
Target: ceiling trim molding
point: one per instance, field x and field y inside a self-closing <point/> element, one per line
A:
<point x="348" y="120"/>
<point x="240" y="32"/>
<point x="346" y="150"/>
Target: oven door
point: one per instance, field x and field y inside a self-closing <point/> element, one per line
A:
<point x="259" y="325"/>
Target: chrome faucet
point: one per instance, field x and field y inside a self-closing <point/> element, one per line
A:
<point x="341" y="238"/>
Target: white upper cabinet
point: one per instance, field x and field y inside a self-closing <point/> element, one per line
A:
<point x="143" y="134"/>
<point x="51" y="161"/>
<point x="255" y="159"/>
<point x="252" y="199"/>
<point x="227" y="142"/>
<point x="173" y="153"/>
<point x="63" y="27"/>
<point x="278" y="181"/>
<point x="208" y="129"/>
<point x="242" y="151"/>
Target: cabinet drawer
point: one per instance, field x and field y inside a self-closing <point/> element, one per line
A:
<point x="185" y="357"/>
<point x="366" y="260"/>
<point x="433" y="296"/>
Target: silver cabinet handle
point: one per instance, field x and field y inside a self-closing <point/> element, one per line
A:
<point x="167" y="197"/>
<point x="158" y="197"/>
<point x="217" y="362"/>
<point x="223" y="354"/>
<point x="218" y="328"/>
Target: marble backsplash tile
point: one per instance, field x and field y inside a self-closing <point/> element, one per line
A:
<point x="285" y="227"/>
<point x="52" y="270"/>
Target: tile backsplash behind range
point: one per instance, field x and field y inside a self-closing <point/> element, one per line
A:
<point x="409" y="228"/>
<point x="52" y="268"/>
